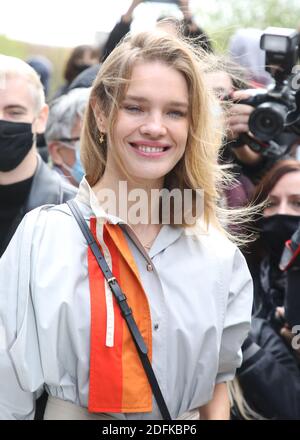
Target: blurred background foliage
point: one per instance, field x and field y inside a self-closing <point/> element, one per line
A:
<point x="224" y="17"/>
<point x="57" y="55"/>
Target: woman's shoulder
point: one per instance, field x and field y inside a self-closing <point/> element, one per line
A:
<point x="212" y="239"/>
<point x="53" y="221"/>
<point x="44" y="214"/>
<point x="213" y="246"/>
<point x="54" y="213"/>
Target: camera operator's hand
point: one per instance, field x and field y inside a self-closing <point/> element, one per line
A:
<point x="237" y="120"/>
<point x="184" y="6"/>
<point x="238" y="116"/>
<point x="286" y="332"/>
<point x="127" y="17"/>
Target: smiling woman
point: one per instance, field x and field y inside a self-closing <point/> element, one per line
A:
<point x="159" y="98"/>
<point x="149" y="124"/>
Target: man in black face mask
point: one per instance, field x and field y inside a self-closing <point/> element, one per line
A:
<point x="25" y="181"/>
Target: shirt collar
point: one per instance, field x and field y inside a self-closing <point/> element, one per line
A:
<point x="87" y="196"/>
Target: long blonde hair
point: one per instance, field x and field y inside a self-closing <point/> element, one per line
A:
<point x="199" y="167"/>
<point x="238" y="400"/>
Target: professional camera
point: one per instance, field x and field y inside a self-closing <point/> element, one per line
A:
<point x="277" y="109"/>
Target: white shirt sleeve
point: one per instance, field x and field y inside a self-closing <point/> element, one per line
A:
<point x="237" y="318"/>
<point x="20" y="367"/>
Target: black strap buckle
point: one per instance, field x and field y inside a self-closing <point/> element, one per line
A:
<point x="111" y="280"/>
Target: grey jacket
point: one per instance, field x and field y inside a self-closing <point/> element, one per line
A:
<point x="47" y="188"/>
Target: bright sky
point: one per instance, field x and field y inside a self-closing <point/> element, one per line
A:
<point x="72" y="22"/>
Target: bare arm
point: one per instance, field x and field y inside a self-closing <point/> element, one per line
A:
<point x="218" y="408"/>
<point x="184" y="6"/>
<point x="120" y="30"/>
<point x="127" y="17"/>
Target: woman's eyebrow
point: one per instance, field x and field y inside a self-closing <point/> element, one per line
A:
<point x="143" y="99"/>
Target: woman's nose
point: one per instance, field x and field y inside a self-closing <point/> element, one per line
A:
<point x="282" y="208"/>
<point x="153" y="126"/>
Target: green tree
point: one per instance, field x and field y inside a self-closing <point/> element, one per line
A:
<point x="222" y="18"/>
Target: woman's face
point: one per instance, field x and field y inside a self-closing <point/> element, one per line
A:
<point x="151" y="128"/>
<point x="285" y="196"/>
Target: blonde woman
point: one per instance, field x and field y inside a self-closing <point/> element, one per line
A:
<point x="149" y="127"/>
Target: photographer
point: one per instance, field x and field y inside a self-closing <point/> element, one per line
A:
<point x="264" y="124"/>
<point x="225" y="82"/>
<point x="254" y="164"/>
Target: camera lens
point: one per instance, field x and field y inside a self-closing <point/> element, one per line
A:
<point x="267" y="120"/>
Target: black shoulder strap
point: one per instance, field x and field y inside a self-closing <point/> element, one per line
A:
<point x="125" y="309"/>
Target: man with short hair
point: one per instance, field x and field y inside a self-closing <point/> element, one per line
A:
<point x="25" y="181"/>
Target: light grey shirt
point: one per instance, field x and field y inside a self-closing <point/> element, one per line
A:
<point x="198" y="287"/>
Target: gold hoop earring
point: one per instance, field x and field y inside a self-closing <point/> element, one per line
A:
<point x="101" y="138"/>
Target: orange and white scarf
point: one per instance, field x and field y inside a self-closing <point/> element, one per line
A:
<point x="118" y="383"/>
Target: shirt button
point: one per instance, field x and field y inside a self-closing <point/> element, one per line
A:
<point x="149" y="267"/>
<point x="156" y="326"/>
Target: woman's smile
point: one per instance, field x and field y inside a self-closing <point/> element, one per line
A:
<point x="150" y="149"/>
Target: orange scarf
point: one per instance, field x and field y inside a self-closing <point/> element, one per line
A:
<point x="118" y="383"/>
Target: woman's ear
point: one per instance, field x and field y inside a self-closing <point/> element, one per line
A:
<point x="100" y="118"/>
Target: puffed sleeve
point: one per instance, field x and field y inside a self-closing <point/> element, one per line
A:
<point x="20" y="365"/>
<point x="237" y="317"/>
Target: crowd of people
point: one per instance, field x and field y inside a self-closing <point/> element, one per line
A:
<point x="110" y="312"/>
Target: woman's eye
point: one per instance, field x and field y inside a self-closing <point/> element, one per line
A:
<point x="132" y="108"/>
<point x="176" y="114"/>
<point x="296" y="203"/>
<point x="270" y="204"/>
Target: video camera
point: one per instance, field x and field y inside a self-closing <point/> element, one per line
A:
<point x="277" y="110"/>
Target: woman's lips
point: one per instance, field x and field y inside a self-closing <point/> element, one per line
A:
<point x="153" y="149"/>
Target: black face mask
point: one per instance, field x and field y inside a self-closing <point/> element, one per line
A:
<point x="16" y="139"/>
<point x="276" y="230"/>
